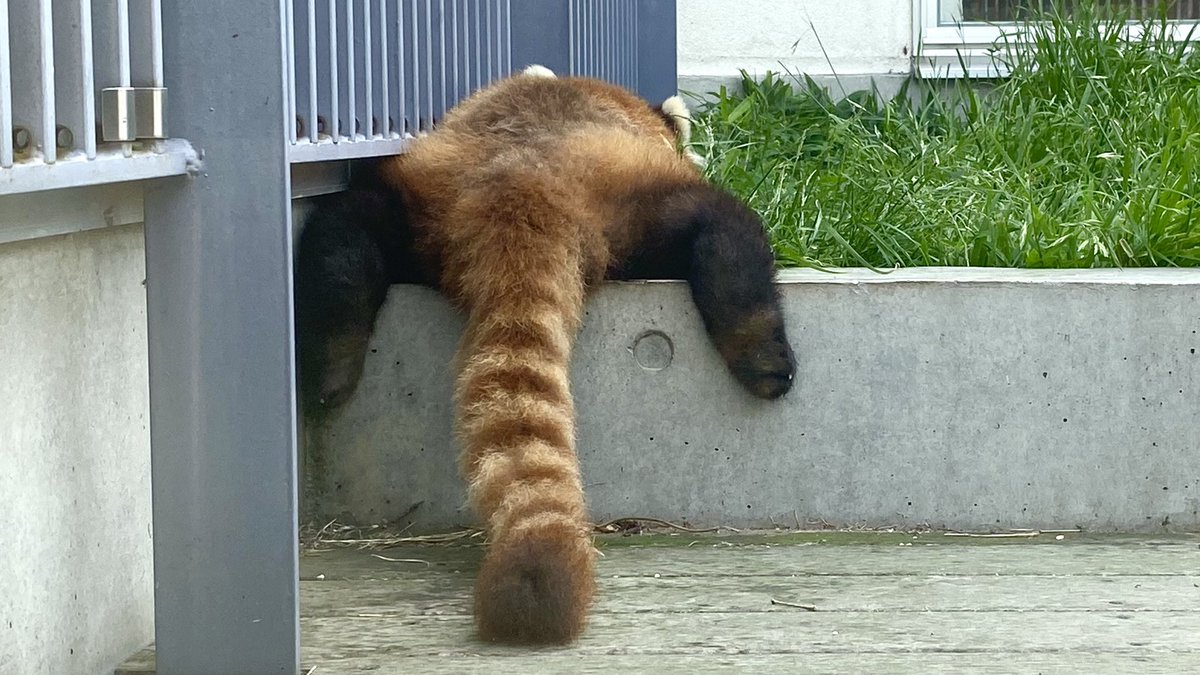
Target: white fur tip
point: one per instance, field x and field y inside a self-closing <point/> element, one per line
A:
<point x="681" y="117"/>
<point x="675" y="107"/>
<point x="538" y="71"/>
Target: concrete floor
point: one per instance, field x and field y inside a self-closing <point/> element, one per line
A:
<point x="688" y="603"/>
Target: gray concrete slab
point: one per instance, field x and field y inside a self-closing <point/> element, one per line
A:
<point x="76" y="586"/>
<point x="955" y="398"/>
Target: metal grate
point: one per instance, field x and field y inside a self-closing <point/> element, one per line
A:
<point x="604" y="43"/>
<point x="54" y="59"/>
<point x="364" y="75"/>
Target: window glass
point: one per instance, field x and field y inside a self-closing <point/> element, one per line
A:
<point x="998" y="11"/>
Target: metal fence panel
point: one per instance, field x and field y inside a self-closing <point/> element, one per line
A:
<point x="55" y="59"/>
<point x="365" y="74"/>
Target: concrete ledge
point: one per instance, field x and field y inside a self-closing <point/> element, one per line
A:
<point x="703" y="86"/>
<point x="946" y="397"/>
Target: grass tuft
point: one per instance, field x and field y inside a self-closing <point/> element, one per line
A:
<point x="1085" y="156"/>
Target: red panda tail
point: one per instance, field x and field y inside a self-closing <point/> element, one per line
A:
<point x="516" y="420"/>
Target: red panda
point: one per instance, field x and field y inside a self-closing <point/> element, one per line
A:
<point x="525" y="196"/>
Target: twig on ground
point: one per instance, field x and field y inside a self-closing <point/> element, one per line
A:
<point x="317" y="537"/>
<point x="995" y="535"/>
<point x="402" y="560"/>
<point x="384" y="542"/>
<point x="807" y="608"/>
<point x="1024" y="529"/>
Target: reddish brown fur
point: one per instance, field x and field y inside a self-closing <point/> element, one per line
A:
<point x="525" y="195"/>
<point x="522" y="195"/>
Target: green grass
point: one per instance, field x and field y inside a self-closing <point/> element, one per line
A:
<point x="1085" y="156"/>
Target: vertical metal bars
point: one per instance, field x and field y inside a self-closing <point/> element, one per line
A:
<point x="368" y="111"/>
<point x="123" y="69"/>
<point x="54" y="57"/>
<point x="361" y="71"/>
<point x="480" y="76"/>
<point x="454" y="57"/>
<point x="351" y="124"/>
<point x="312" y="71"/>
<point x="385" y="110"/>
<point x="355" y="70"/>
<point x="333" y="126"/>
<point x="71" y="75"/>
<point x="490" y="51"/>
<point x="6" y="104"/>
<point x="465" y="54"/>
<point x="508" y="66"/>
<point x="413" y="122"/>
<point x="289" y="57"/>
<point x="87" y="73"/>
<point x="156" y="58"/>
<point x="603" y="37"/>
<point x="440" y="72"/>
<point x="46" y="68"/>
<point x="402" y="109"/>
<point x="5" y="89"/>
<point x="28" y="80"/>
<point x="427" y="121"/>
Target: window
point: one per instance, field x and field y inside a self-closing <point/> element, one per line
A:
<point x="956" y="38"/>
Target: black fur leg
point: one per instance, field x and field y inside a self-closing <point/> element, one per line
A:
<point x="342" y="278"/>
<point x="731" y="273"/>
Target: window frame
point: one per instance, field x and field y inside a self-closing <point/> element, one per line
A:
<point x="965" y="50"/>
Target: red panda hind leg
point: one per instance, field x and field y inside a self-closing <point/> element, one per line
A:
<point x="522" y="282"/>
<point x="342" y="277"/>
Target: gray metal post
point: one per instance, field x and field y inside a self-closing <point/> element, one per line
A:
<point x="222" y="393"/>
<point x="657" y="65"/>
<point x="541" y="35"/>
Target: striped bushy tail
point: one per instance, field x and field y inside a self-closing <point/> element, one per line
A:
<point x="517" y="427"/>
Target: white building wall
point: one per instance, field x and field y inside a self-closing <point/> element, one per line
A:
<point x="854" y="39"/>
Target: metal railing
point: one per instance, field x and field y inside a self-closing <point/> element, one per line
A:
<point x="604" y="40"/>
<point x="56" y="61"/>
<point x="364" y="71"/>
<point x="363" y="75"/>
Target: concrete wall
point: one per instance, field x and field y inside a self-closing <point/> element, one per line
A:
<point x="951" y="398"/>
<point x="853" y="39"/>
<point x="76" y="588"/>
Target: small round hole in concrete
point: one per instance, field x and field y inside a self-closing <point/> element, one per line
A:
<point x="653" y="350"/>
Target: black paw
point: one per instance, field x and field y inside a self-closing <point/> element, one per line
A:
<point x="768" y="372"/>
<point x="760" y="357"/>
<point x="331" y="374"/>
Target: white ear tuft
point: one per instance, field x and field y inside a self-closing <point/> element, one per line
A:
<point x="538" y="71"/>
<point x="675" y="107"/>
<point x="681" y="117"/>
